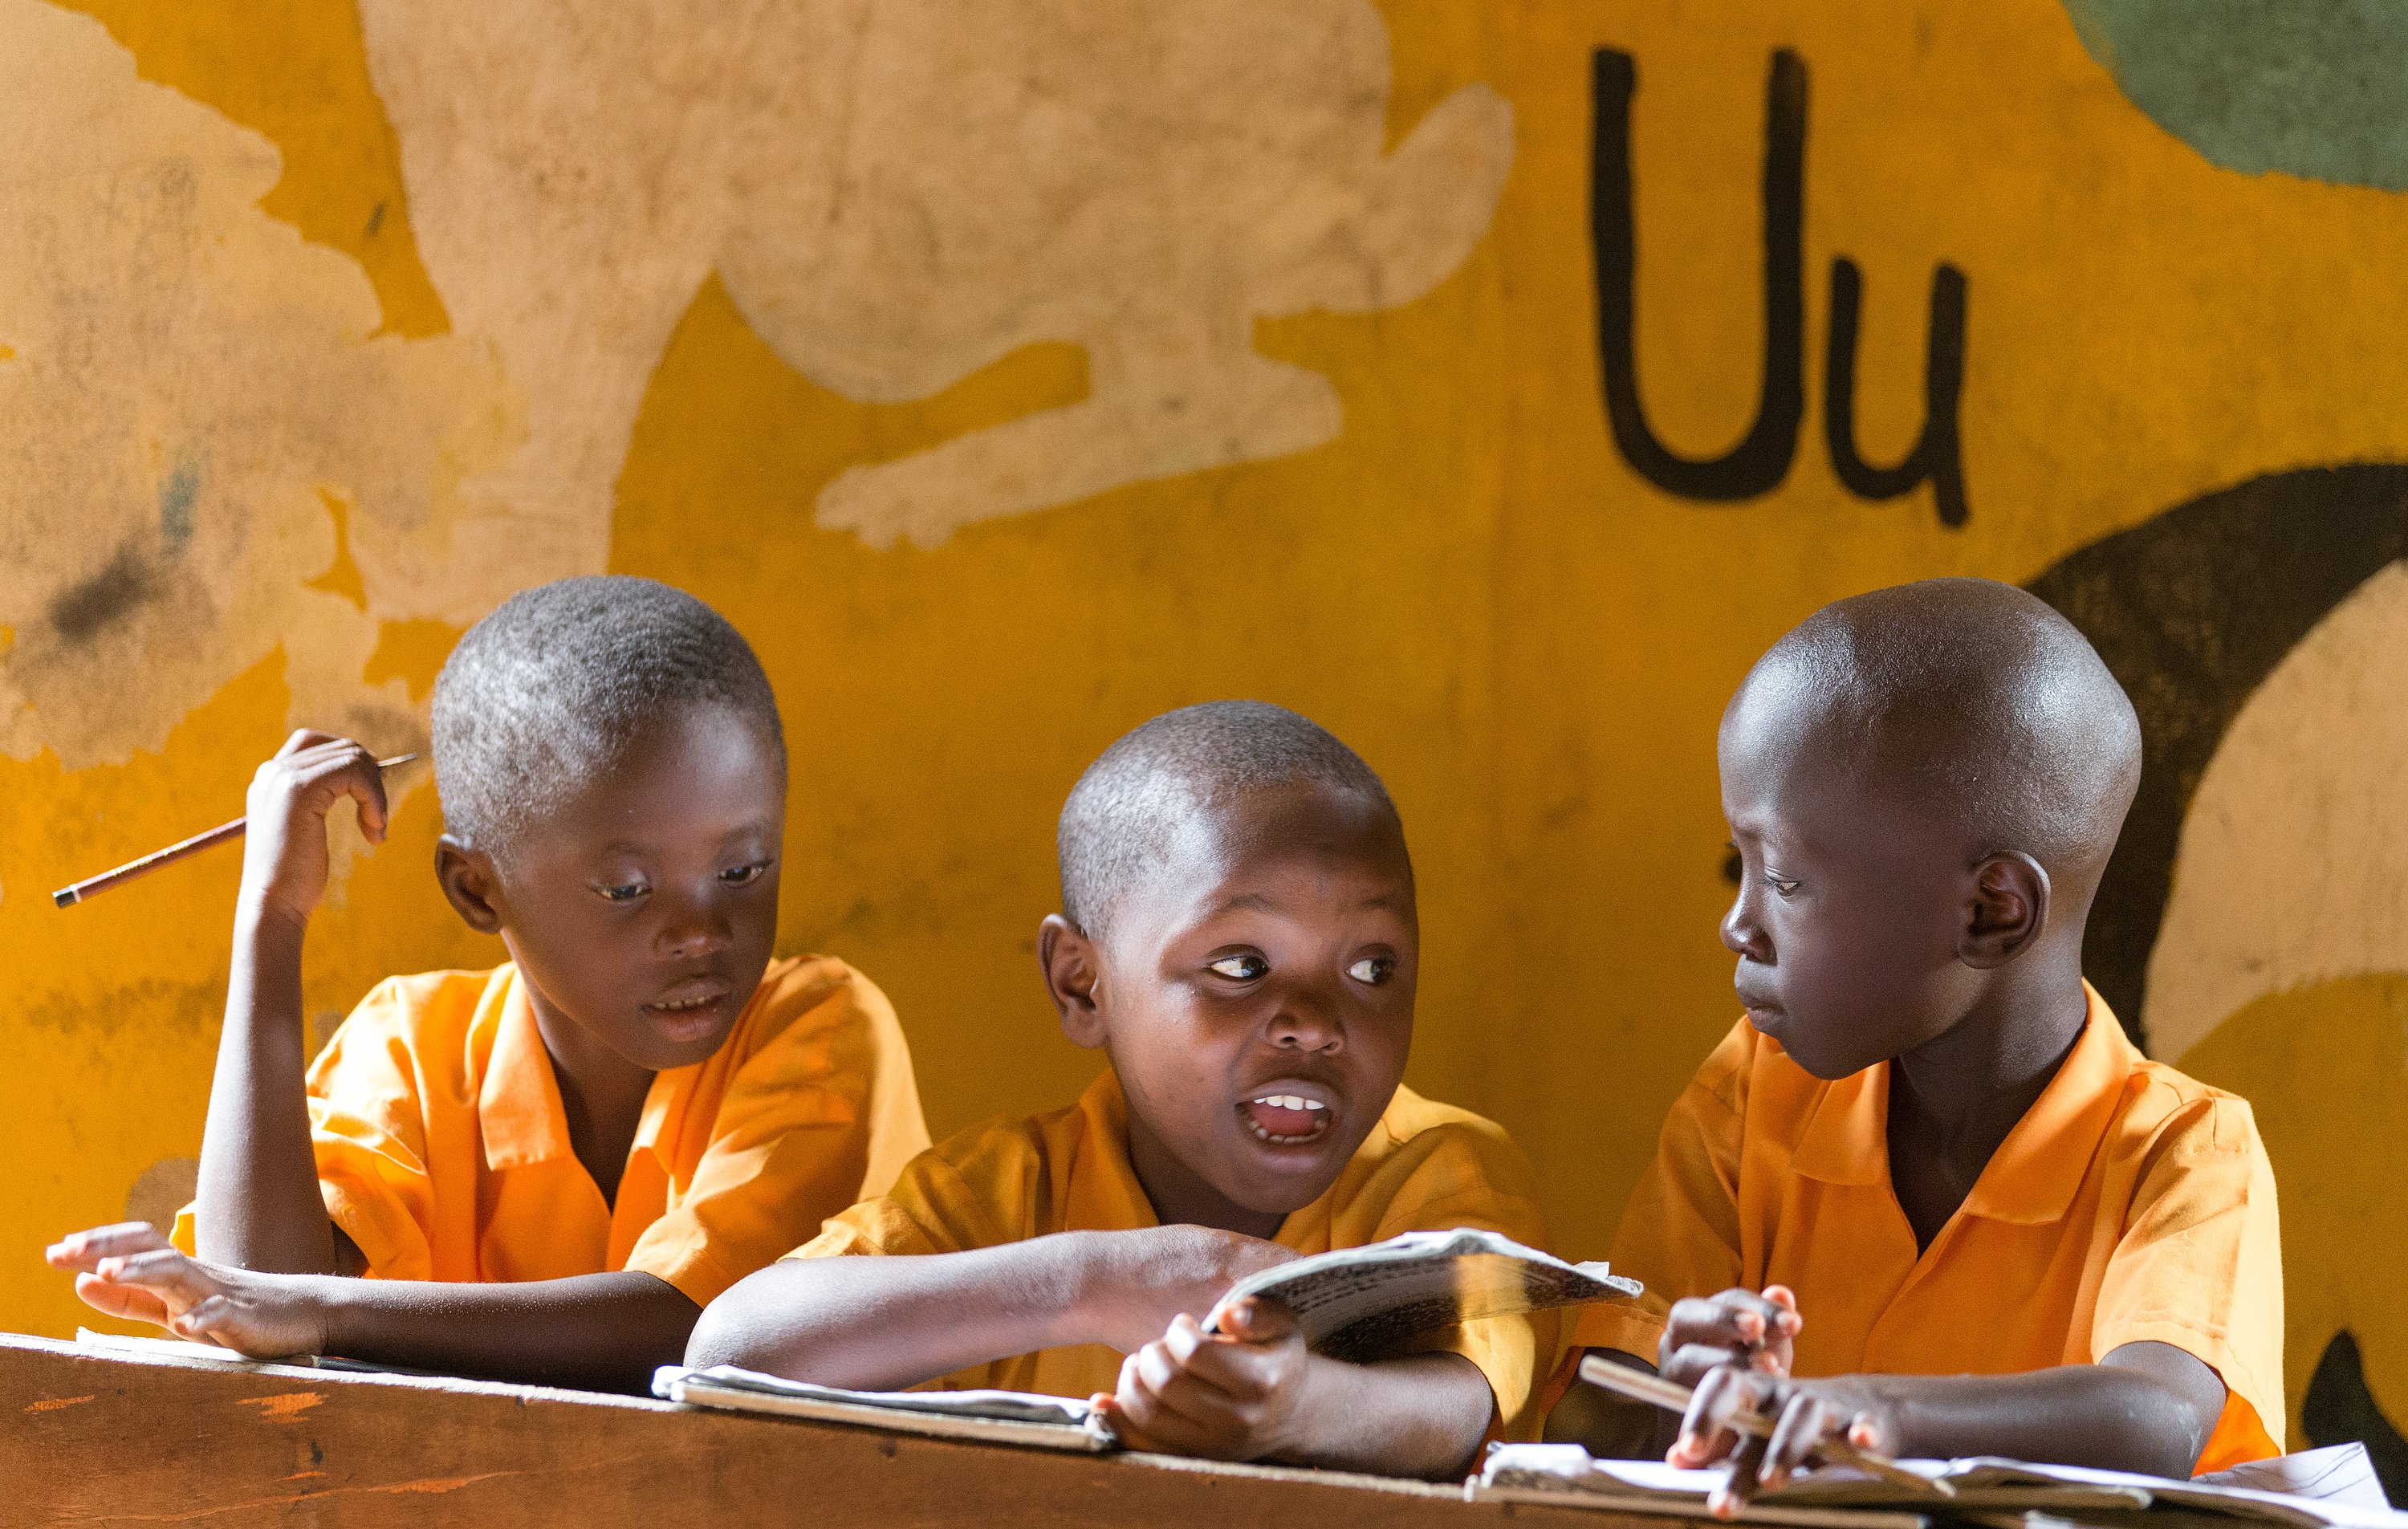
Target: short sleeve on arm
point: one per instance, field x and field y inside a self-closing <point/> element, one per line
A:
<point x="793" y="1140"/>
<point x="1680" y="1234"/>
<point x="367" y="1131"/>
<point x="2199" y="1266"/>
<point x="367" y="1135"/>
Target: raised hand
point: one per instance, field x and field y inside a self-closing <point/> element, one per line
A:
<point x="131" y="1272"/>
<point x="284" y="862"/>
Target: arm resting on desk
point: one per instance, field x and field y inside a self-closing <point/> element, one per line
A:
<point x="602" y="1332"/>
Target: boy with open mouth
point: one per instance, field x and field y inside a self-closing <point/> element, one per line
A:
<point x="1237" y="933"/>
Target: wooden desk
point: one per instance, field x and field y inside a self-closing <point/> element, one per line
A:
<point x="122" y="1439"/>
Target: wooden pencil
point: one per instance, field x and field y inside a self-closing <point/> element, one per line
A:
<point x="1672" y="1396"/>
<point x="69" y="897"/>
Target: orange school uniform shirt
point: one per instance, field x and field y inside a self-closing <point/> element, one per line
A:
<point x="2129" y="1204"/>
<point x="1425" y="1167"/>
<point x="443" y="1149"/>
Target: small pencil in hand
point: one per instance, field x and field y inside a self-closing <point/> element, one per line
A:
<point x="180" y="849"/>
<point x="1672" y="1396"/>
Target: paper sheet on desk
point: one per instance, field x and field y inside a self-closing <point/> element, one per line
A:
<point x="1361" y="1303"/>
<point x="2336" y="1490"/>
<point x="1006" y="1416"/>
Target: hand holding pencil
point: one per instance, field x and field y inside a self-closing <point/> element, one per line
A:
<point x="285" y="865"/>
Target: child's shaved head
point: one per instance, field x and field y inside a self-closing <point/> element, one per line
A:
<point x="1969" y="697"/>
<point x="1923" y="785"/>
<point x="553" y="686"/>
<point x="1125" y="813"/>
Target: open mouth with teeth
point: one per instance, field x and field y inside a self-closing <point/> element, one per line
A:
<point x="689" y="1017"/>
<point x="1286" y="1120"/>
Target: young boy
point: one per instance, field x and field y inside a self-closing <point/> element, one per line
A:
<point x="550" y="1169"/>
<point x="1979" y="1217"/>
<point x="1237" y="933"/>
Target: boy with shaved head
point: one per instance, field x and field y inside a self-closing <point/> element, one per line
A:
<point x="1238" y="935"/>
<point x="1950" y="1208"/>
<point x="548" y="1169"/>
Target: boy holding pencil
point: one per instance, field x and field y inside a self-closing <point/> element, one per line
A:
<point x="548" y="1169"/>
<point x="1950" y="1210"/>
<point x="1237" y="933"/>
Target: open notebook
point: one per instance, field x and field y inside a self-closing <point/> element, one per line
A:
<point x="2319" y="1489"/>
<point x="996" y="1417"/>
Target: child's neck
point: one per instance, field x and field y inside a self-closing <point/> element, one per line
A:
<point x="1183" y="1197"/>
<point x="1954" y="1100"/>
<point x="601" y="1093"/>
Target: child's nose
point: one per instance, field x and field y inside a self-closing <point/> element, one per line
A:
<point x="694" y="931"/>
<point x="1741" y="933"/>
<point x="1307" y="1023"/>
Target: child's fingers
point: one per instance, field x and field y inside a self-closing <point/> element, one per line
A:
<point x="344" y="768"/>
<point x="1241" y="1370"/>
<point x="173" y="1278"/>
<point x="1739" y="1487"/>
<point x="130" y="1303"/>
<point x="1152" y="1421"/>
<point x="1706" y="1430"/>
<point x="82" y="1250"/>
<point x="1258" y="1321"/>
<point x="304" y="737"/>
<point x="1692" y="1363"/>
<point x="1804" y="1423"/>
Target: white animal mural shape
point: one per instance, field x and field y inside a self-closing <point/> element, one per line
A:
<point x="197" y="400"/>
<point x="897" y="193"/>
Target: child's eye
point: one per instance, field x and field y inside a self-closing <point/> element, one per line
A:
<point x="626" y="893"/>
<point x="742" y="876"/>
<point x="1783" y="884"/>
<point x="1241" y="968"/>
<point x="1373" y="970"/>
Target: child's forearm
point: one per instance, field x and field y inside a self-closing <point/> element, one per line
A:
<point x="880" y="1323"/>
<point x="258" y="1202"/>
<point x="599" y="1331"/>
<point x="1423" y="1415"/>
<point x="2110" y="1417"/>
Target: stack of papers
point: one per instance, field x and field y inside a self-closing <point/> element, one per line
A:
<point x="2319" y="1489"/>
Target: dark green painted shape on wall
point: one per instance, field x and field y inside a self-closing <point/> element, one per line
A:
<point x="2312" y="87"/>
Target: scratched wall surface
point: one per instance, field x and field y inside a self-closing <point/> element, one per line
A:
<point x="1491" y="381"/>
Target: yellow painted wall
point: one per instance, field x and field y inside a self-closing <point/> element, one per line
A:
<point x="331" y="326"/>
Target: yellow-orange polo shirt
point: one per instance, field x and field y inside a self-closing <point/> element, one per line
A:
<point x="1425" y="1167"/>
<point x="443" y="1150"/>
<point x="2131" y="1203"/>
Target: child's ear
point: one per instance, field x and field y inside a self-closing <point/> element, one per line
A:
<point x="1069" y="959"/>
<point x="469" y="883"/>
<point x="2008" y="911"/>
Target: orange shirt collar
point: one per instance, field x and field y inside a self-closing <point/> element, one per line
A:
<point x="518" y="1109"/>
<point x="2033" y="1177"/>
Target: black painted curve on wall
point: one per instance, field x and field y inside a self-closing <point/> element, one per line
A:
<point x="2192" y="608"/>
<point x="2339" y="1408"/>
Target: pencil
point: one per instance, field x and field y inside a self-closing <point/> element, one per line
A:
<point x="1672" y="1396"/>
<point x="69" y="897"/>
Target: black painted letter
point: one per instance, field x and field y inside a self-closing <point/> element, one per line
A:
<point x="1759" y="462"/>
<point x="1937" y="458"/>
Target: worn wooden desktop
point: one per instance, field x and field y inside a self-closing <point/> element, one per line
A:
<point x="94" y="1439"/>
